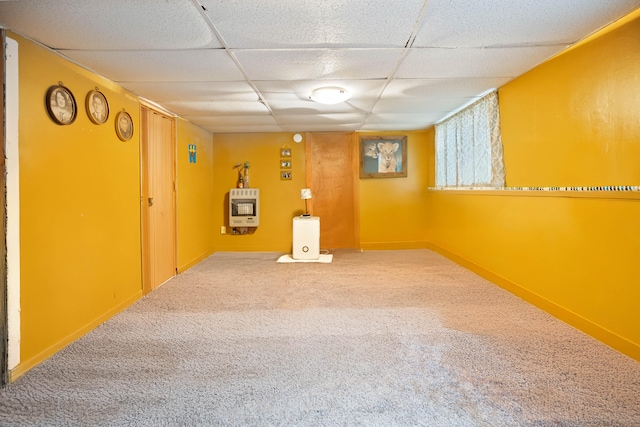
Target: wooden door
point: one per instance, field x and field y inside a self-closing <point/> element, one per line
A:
<point x="158" y="198"/>
<point x="331" y="175"/>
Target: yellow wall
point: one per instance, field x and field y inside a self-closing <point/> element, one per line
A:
<point x="195" y="196"/>
<point x="570" y="122"/>
<point x="393" y="210"/>
<point x="79" y="204"/>
<point x="80" y="207"/>
<point x="574" y="121"/>
<point x="279" y="199"/>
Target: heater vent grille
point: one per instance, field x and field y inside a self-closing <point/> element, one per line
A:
<point x="244" y="207"/>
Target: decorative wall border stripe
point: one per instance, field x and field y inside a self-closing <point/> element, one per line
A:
<point x="577" y="189"/>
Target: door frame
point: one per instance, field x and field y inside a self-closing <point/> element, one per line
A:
<point x="145" y="222"/>
<point x="4" y="312"/>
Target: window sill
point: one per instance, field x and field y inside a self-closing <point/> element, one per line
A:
<point x="602" y="192"/>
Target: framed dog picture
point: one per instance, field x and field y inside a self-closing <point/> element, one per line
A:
<point x="61" y="105"/>
<point x="383" y="156"/>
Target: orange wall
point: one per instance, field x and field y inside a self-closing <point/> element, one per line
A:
<point x="195" y="197"/>
<point x="79" y="204"/>
<point x="569" y="122"/>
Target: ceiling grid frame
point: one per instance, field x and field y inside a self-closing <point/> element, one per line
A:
<point x="246" y="66"/>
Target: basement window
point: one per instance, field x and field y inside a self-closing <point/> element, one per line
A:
<point x="469" y="147"/>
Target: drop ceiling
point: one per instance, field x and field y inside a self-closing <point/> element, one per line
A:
<point x="250" y="66"/>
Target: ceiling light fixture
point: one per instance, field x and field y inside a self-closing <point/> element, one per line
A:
<point x="330" y="95"/>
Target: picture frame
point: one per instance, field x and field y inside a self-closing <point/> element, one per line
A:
<point x="383" y="156"/>
<point x="285" y="152"/>
<point x="97" y="107"/>
<point x="285" y="175"/>
<point x="124" y="126"/>
<point x="285" y="164"/>
<point x="61" y="104"/>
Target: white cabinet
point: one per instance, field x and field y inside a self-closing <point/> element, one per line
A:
<point x="306" y="237"/>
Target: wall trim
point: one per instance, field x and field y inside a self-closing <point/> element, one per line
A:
<point x="594" y="330"/>
<point x="12" y="200"/>
<point x="196" y="260"/>
<point x="373" y="246"/>
<point x="603" y="192"/>
<point x="26" y="365"/>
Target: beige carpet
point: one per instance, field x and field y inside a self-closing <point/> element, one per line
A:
<point x="379" y="338"/>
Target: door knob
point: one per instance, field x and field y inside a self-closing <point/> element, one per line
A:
<point x="150" y="201"/>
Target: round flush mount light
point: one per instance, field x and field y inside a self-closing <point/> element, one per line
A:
<point x="330" y="95"/>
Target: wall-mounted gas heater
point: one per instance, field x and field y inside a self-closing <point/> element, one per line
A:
<point x="244" y="207"/>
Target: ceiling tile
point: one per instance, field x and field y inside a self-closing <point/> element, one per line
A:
<point x="318" y="64"/>
<point x="442" y="88"/>
<point x="247" y="128"/>
<point x="464" y="62"/>
<point x="312" y="23"/>
<point x="401" y="121"/>
<point x="112" y="25"/>
<point x="191" y="108"/>
<point x="507" y="22"/>
<point x="300" y="90"/>
<point x="420" y="105"/>
<point x="229" y="120"/>
<point x="395" y="126"/>
<point x="320" y="119"/>
<point x="196" y="91"/>
<point x="339" y="127"/>
<point x="308" y="107"/>
<point x="200" y="65"/>
<point x="293" y="97"/>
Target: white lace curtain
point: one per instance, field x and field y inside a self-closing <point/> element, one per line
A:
<point x="469" y="147"/>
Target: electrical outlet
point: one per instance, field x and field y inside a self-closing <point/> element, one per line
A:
<point x="223" y="229"/>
